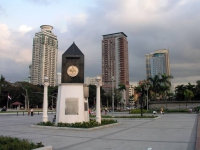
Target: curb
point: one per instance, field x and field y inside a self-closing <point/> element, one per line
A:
<point x="44" y="148"/>
<point x="76" y="129"/>
<point x="197" y="147"/>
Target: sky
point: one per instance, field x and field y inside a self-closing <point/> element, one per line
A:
<point x="149" y="25"/>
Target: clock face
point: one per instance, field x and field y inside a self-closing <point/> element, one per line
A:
<point x="72" y="71"/>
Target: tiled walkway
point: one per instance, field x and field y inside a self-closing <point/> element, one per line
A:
<point x="169" y="132"/>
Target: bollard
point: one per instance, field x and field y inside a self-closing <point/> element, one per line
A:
<point x="23" y="113"/>
<point x="38" y="112"/>
<point x="17" y="113"/>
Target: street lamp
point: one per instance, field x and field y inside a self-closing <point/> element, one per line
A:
<point x="112" y="79"/>
<point x="147" y="88"/>
<point x="98" y="110"/>
<point x="45" y="101"/>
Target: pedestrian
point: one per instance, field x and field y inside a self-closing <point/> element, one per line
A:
<point x="31" y="111"/>
<point x="162" y="111"/>
<point x="154" y="112"/>
<point x="54" y="119"/>
<point x="89" y="112"/>
<point x="106" y="110"/>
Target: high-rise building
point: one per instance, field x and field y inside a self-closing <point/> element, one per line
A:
<point x="131" y="90"/>
<point x="44" y="56"/>
<point x="115" y="61"/>
<point x="157" y="62"/>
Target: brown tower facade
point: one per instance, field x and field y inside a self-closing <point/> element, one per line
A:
<point x="115" y="61"/>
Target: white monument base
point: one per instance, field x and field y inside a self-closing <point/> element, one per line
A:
<point x="71" y="105"/>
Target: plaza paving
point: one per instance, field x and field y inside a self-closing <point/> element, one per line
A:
<point x="168" y="132"/>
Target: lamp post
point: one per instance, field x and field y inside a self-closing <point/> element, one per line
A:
<point x="98" y="109"/>
<point x="113" y="103"/>
<point x="45" y="102"/>
<point x="52" y="96"/>
<point x="147" y="88"/>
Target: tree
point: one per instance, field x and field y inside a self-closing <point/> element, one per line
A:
<point x="155" y="85"/>
<point x="140" y="90"/>
<point x="2" y="82"/>
<point x="122" y="89"/>
<point x="164" y="90"/>
<point x="165" y="84"/>
<point x="197" y="90"/>
<point x="165" y="80"/>
<point x="191" y="87"/>
<point x="180" y="89"/>
<point x="92" y="95"/>
<point x="160" y="85"/>
<point x="188" y="94"/>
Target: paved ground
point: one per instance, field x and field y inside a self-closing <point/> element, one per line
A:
<point x="169" y="132"/>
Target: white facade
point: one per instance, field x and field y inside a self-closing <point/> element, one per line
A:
<point x="29" y="77"/>
<point x="131" y="90"/>
<point x="71" y="105"/>
<point x="91" y="80"/>
<point x="44" y="56"/>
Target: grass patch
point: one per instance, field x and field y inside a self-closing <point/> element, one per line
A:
<point x="13" y="143"/>
<point x="148" y="116"/>
<point x="137" y="111"/>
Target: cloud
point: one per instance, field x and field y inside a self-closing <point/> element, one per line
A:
<point x="39" y="2"/>
<point x="149" y="25"/>
<point x="2" y="11"/>
<point x="15" y="53"/>
<point x="24" y="28"/>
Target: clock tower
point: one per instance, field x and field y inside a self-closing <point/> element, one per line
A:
<point x="73" y="65"/>
<point x="72" y="103"/>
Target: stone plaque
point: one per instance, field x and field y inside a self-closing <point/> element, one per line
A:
<point x="71" y="106"/>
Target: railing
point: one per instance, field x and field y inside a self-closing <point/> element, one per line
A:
<point x="23" y="113"/>
<point x="35" y="112"/>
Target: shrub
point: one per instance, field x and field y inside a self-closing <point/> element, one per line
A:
<point x="92" y="123"/>
<point x="48" y="123"/>
<point x="176" y="110"/>
<point x="13" y="143"/>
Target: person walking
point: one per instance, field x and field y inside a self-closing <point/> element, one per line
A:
<point x="31" y="111"/>
<point x="162" y="111"/>
<point x="106" y="110"/>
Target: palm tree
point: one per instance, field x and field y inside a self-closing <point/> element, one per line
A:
<point x="155" y="85"/>
<point x="197" y="91"/>
<point x="2" y="80"/>
<point x="165" y="79"/>
<point x="164" y="91"/>
<point x="179" y="89"/>
<point x="122" y="89"/>
<point x="165" y="84"/>
<point x="191" y="87"/>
